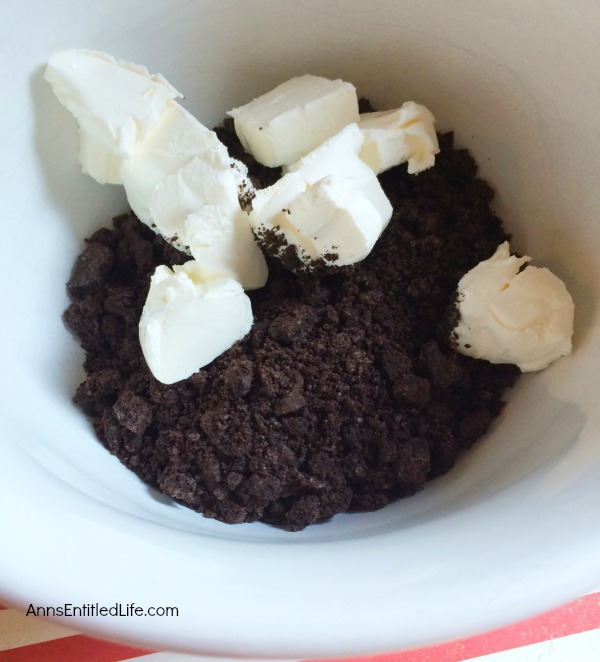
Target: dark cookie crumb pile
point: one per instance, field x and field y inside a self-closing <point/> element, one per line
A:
<point x="345" y="395"/>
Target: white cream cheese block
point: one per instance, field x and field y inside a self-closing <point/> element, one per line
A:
<point x="116" y="103"/>
<point x="174" y="141"/>
<point x="132" y="132"/>
<point x="182" y="171"/>
<point x="511" y="314"/>
<point x="329" y="204"/>
<point x="189" y="320"/>
<point x="392" y="137"/>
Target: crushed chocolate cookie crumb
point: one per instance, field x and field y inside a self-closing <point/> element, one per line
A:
<point x="274" y="244"/>
<point x="345" y="395"/>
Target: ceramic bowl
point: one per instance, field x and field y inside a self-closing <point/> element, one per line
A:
<point x="512" y="530"/>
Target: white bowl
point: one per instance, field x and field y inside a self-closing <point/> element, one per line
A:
<point x="512" y="530"/>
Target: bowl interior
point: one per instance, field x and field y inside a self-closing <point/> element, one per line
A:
<point x="508" y="532"/>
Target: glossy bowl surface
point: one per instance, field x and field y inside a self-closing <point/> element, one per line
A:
<point x="511" y="531"/>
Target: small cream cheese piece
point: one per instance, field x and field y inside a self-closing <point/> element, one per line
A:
<point x="513" y="315"/>
<point x="283" y="125"/>
<point x="188" y="320"/>
<point x="396" y="136"/>
<point x="116" y="103"/>
<point x="328" y="205"/>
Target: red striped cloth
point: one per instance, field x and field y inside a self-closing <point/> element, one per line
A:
<point x="25" y="639"/>
<point x="581" y="615"/>
<point x="75" y="648"/>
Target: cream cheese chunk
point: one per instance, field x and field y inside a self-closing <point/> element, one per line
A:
<point x="176" y="139"/>
<point x="510" y="314"/>
<point x="116" y="103"/>
<point x="329" y="204"/>
<point x="181" y="173"/>
<point x="188" y="320"/>
<point x="188" y="189"/>
<point x="392" y="137"/>
<point x="339" y="155"/>
<point x="133" y="132"/>
<point x="222" y="242"/>
<point x="98" y="162"/>
<point x="283" y="125"/>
